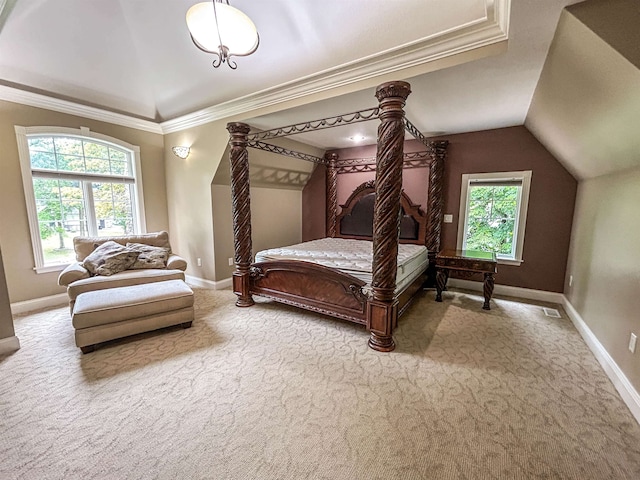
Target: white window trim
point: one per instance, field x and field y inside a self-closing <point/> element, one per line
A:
<point x="27" y="182"/>
<point x="525" y="177"/>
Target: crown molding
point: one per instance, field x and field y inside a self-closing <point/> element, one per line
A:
<point x="488" y="31"/>
<point x="31" y="99"/>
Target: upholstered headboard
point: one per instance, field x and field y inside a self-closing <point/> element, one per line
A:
<point x="356" y="218"/>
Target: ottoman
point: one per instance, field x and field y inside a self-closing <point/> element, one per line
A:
<point x="102" y="315"/>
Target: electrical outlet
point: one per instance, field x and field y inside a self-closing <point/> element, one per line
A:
<point x="231" y="261"/>
<point x="632" y="343"/>
<point x="447" y="218"/>
<point x="570" y="280"/>
<point x="199" y="262"/>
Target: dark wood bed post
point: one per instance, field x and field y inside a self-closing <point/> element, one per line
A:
<point x="435" y="205"/>
<point x="332" y="193"/>
<point x="241" y="208"/>
<point x="383" y="308"/>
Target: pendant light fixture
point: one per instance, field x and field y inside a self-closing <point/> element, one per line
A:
<point x="218" y="28"/>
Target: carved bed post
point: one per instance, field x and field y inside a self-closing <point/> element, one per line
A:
<point x="332" y="193"/>
<point x="435" y="205"/>
<point x="241" y="207"/>
<point x="382" y="310"/>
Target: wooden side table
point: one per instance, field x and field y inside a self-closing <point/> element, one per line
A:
<point x="467" y="263"/>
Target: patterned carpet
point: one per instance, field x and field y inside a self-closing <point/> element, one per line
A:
<point x="270" y="392"/>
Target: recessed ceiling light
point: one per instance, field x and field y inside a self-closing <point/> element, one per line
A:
<point x="358" y="138"/>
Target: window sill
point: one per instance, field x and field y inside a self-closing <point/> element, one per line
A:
<point x="508" y="261"/>
<point x="51" y="268"/>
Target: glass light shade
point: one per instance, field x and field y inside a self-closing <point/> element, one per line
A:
<point x="237" y="32"/>
<point x="180" y="151"/>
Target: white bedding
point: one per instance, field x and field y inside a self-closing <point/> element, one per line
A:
<point x="354" y="257"/>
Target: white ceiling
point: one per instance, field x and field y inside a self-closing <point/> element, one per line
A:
<point x="587" y="103"/>
<point x="488" y="93"/>
<point x="136" y="57"/>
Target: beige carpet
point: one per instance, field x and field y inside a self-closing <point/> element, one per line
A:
<point x="271" y="392"/>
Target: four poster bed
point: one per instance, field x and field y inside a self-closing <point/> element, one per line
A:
<point x="378" y="249"/>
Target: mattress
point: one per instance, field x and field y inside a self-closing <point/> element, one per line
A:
<point x="354" y="257"/>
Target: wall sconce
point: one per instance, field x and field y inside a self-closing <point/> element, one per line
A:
<point x="180" y="151"/>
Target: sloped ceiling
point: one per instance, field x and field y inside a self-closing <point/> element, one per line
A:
<point x="617" y="22"/>
<point x="273" y="170"/>
<point x="586" y="107"/>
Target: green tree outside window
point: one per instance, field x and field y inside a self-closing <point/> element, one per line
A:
<point x="69" y="202"/>
<point x="491" y="219"/>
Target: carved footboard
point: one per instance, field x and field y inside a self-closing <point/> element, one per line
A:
<point x="312" y="287"/>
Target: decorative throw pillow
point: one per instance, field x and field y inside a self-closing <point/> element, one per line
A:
<point x="149" y="256"/>
<point x="109" y="258"/>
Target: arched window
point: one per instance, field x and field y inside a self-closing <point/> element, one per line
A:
<point x="77" y="182"/>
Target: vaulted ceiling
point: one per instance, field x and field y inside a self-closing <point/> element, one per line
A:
<point x="135" y="58"/>
<point x="586" y="107"/>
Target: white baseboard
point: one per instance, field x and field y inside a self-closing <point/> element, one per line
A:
<point x="203" y="283"/>
<point x="509" y="291"/>
<point x="63" y="298"/>
<point x="38" y="303"/>
<point x="9" y="345"/>
<point x="626" y="390"/>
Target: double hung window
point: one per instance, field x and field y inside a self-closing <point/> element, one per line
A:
<point x="77" y="183"/>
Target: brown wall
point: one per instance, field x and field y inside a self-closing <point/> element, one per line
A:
<point x="614" y="21"/>
<point x="415" y="183"/>
<point x="551" y="199"/>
